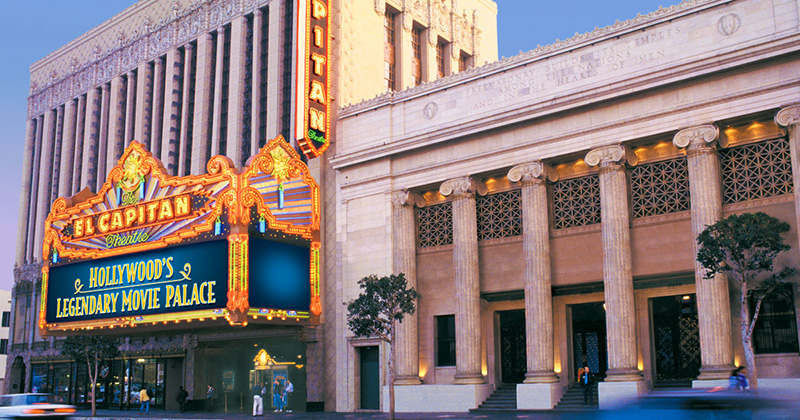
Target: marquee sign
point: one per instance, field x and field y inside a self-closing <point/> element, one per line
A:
<point x="312" y="127"/>
<point x="151" y="248"/>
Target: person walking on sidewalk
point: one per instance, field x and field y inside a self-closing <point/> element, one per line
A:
<point x="182" y="396"/>
<point x="258" y="403"/>
<point x="144" y="398"/>
<point x="210" y="398"/>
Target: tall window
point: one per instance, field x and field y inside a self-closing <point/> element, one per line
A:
<point x="4" y="346"/>
<point x="6" y="319"/>
<point x="464" y="61"/>
<point x="446" y="340"/>
<point x="776" y="327"/>
<point x="389" y="55"/>
<point x="440" y="67"/>
<point x="416" y="65"/>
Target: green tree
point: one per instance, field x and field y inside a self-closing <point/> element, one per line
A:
<point x="90" y="350"/>
<point x="743" y="248"/>
<point x="376" y="312"/>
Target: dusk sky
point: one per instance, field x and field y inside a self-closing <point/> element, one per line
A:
<point x="36" y="28"/>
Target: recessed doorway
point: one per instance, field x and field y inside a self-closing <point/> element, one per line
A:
<point x="589" y="338"/>
<point x="513" y="357"/>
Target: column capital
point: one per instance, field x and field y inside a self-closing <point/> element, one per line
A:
<point x="104" y="87"/>
<point x="159" y="60"/>
<point x="788" y="115"/>
<point x="189" y="46"/>
<point x="407" y="198"/>
<point x="528" y="172"/>
<point x="466" y="185"/>
<point x="257" y="13"/>
<point x="610" y="155"/>
<point x="696" y="136"/>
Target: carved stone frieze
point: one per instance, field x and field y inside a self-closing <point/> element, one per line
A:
<point x="607" y="155"/>
<point x="530" y="171"/>
<point x="788" y="115"/>
<point x="466" y="185"/>
<point x="704" y="134"/>
<point x="29" y="272"/>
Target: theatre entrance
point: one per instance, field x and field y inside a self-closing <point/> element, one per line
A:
<point x="589" y="338"/>
<point x="513" y="357"/>
<point x="676" y="340"/>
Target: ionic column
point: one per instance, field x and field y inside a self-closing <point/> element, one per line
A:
<point x="25" y="192"/>
<point x="236" y="90"/>
<point x="67" y="148"/>
<point x="103" y="144"/>
<point x="130" y="107"/>
<point x="158" y="107"/>
<point x="144" y="104"/>
<point x="713" y="302"/>
<point x="467" y="277"/>
<point x="202" y="104"/>
<point x="255" y="100"/>
<point x="536" y="252"/>
<point x="617" y="267"/>
<point x="45" y="177"/>
<point x="404" y="256"/>
<point x="789" y="117"/>
<point x="187" y="70"/>
<point x="217" y="119"/>
<point x="172" y="114"/>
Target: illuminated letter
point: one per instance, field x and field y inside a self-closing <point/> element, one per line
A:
<point x="211" y="298"/>
<point x="88" y="226"/>
<point x="130" y="216"/>
<point x="319" y="61"/>
<point x="317" y="92"/>
<point x="142" y="214"/>
<point x="165" y="210"/>
<point x="318" y="32"/>
<point x="93" y="277"/>
<point x="316" y="119"/>
<point x="126" y="300"/>
<point x="170" y="293"/>
<point x="151" y="211"/>
<point x="169" y="267"/>
<point x="77" y="228"/>
<point x="195" y="297"/>
<point x="102" y="222"/>
<point x="182" y="205"/>
<point x="319" y="10"/>
<point x="116" y="220"/>
<point x="159" y="266"/>
<point x="202" y="293"/>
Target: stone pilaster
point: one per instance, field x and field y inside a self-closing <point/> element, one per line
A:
<point x="183" y="163"/>
<point x="158" y="107"/>
<point x="91" y="136"/>
<point x="34" y="197"/>
<point x="104" y="142"/>
<point x="713" y="302"/>
<point x="255" y="99"/>
<point x="116" y="122"/>
<point x="404" y="257"/>
<point x="275" y="58"/>
<point x="144" y="103"/>
<point x="789" y="117"/>
<point x="536" y="252"/>
<point x="617" y="266"/>
<point x="172" y="111"/>
<point x="202" y="104"/>
<point x="67" y="148"/>
<point x="45" y="177"/>
<point x="217" y="119"/>
<point x="130" y="107"/>
<point x="404" y="51"/>
<point x="236" y="90"/>
<point x="25" y="191"/>
<point x="77" y="153"/>
<point x="467" y="277"/>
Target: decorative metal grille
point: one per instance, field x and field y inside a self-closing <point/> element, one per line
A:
<point x="755" y="171"/>
<point x="499" y="215"/>
<point x="576" y="202"/>
<point x="660" y="188"/>
<point x="435" y="225"/>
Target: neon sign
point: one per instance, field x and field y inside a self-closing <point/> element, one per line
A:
<point x="312" y="128"/>
<point x="150" y="248"/>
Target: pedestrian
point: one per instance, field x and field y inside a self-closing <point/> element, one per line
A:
<point x="586" y="379"/>
<point x="182" y="395"/>
<point x="288" y="390"/>
<point x="210" y="398"/>
<point x="277" y="395"/>
<point x="258" y="402"/>
<point x="144" y="398"/>
<point x="738" y="380"/>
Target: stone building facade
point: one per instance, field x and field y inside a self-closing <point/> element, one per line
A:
<point x="189" y="80"/>
<point x="546" y="208"/>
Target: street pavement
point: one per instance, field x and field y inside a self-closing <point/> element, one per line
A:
<point x="170" y="415"/>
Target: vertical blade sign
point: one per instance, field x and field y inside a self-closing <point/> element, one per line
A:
<point x="312" y="127"/>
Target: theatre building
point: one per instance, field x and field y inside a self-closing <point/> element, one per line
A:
<point x="546" y="208"/>
<point x="175" y="184"/>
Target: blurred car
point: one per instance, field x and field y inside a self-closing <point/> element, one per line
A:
<point x="717" y="403"/>
<point x="39" y="406"/>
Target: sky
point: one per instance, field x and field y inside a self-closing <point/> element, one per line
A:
<point x="36" y="28"/>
